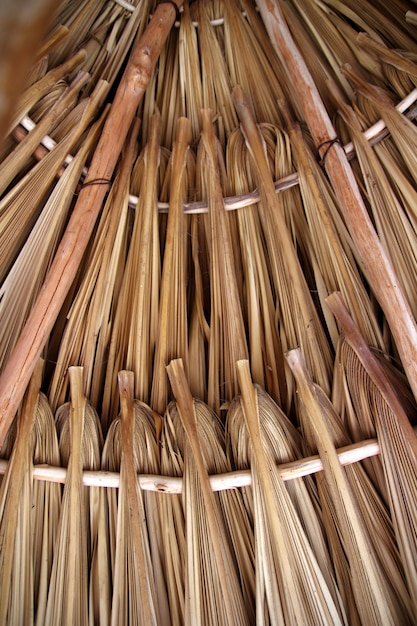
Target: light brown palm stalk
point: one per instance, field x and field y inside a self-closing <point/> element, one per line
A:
<point x="398" y="444"/>
<point x="352" y="404"/>
<point x="146" y="459"/>
<point x="363" y="526"/>
<point x="227" y="339"/>
<point x="135" y="599"/>
<point x="379" y="269"/>
<point x="77" y="235"/>
<point x="173" y="522"/>
<point x="285" y="265"/>
<point x="16" y="566"/>
<point x="212" y="588"/>
<point x="236" y="521"/>
<point x="46" y="506"/>
<point x="284" y="444"/>
<point x="250" y="62"/>
<point x="291" y="586"/>
<point x="136" y="318"/>
<point x="80" y="442"/>
<point x="266" y="353"/>
<point x="172" y="333"/>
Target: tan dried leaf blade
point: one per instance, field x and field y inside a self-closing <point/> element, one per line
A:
<point x="397" y="440"/>
<point x="293" y="585"/>
<point x="357" y="522"/>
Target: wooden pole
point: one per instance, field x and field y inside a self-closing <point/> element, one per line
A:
<point x="60" y="277"/>
<point x="375" y="261"/>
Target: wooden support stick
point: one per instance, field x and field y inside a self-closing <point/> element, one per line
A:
<point x="59" y="279"/>
<point x="375" y="261"/>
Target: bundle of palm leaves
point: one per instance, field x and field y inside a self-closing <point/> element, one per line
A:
<point x="208" y="233"/>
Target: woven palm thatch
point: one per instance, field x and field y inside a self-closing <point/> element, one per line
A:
<point x="208" y="233"/>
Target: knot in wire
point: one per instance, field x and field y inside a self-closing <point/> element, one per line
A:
<point x="329" y="143"/>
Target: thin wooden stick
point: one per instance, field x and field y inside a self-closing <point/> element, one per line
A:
<point x="18" y="370"/>
<point x="375" y="260"/>
<point x="219" y="482"/>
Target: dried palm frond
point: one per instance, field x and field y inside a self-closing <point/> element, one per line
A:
<point x="398" y="444"/>
<point x="283" y="441"/>
<point x="37" y="253"/>
<point x="80" y="443"/>
<point x="354" y="511"/>
<point x="17" y="160"/>
<point x="44" y="85"/>
<point x="266" y="354"/>
<point x="318" y="23"/>
<point x="351" y="402"/>
<point x="190" y="72"/>
<point x="291" y="586"/>
<point x="30" y="191"/>
<point x="331" y="245"/>
<point x="379" y="268"/>
<point x="86" y="336"/>
<point x="215" y="78"/>
<point x="46" y="506"/>
<point x="132" y="28"/>
<point x="146" y="455"/>
<point x="402" y="130"/>
<point x="172" y="334"/>
<point x="300" y="319"/>
<point x="16" y="548"/>
<point x="84" y="216"/>
<point x="392" y="224"/>
<point x="250" y="63"/>
<point x="213" y="591"/>
<point x="227" y="340"/>
<point x="173" y="523"/>
<point x="139" y="593"/>
<point x="136" y="318"/>
<point x="376" y="18"/>
<point x="78" y="20"/>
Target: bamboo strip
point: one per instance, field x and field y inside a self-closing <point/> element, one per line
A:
<point x="64" y="268"/>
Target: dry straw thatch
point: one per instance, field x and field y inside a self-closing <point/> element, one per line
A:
<point x="208" y="233"/>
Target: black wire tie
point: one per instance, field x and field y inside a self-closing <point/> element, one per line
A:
<point x="329" y="143"/>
